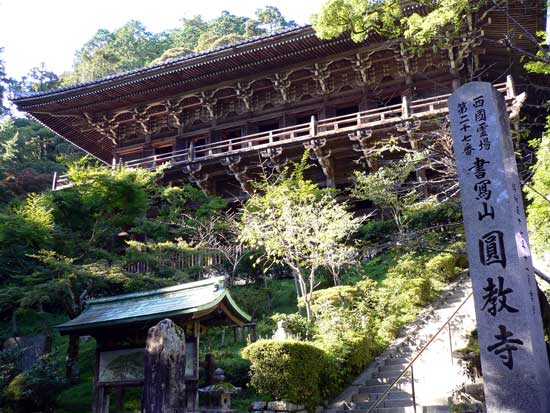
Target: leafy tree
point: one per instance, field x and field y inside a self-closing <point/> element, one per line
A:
<point x="227" y="23"/>
<point x="210" y="41"/>
<point x="538" y="193"/>
<point x="271" y="19"/>
<point x="24" y="228"/>
<point x="29" y="154"/>
<point x="538" y="190"/>
<point x="187" y="37"/>
<point x="2" y="83"/>
<point x="444" y="20"/>
<point x="298" y="224"/>
<point x="129" y="47"/>
<point x="39" y="79"/>
<point x="62" y="281"/>
<point x="387" y="188"/>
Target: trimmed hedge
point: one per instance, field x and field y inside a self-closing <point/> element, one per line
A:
<point x="292" y="371"/>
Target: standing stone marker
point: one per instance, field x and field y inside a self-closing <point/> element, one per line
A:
<point x="515" y="366"/>
<point x="164" y="381"/>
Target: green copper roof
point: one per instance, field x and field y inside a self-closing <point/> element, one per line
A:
<point x="154" y="305"/>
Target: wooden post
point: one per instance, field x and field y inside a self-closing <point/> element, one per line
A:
<point x="405" y="107"/>
<point x="313" y="127"/>
<point x="164" y="386"/>
<point x="510" y="90"/>
<point x="54" y="182"/>
<point x="100" y="403"/>
<point x="121" y="392"/>
<point x="191" y="151"/>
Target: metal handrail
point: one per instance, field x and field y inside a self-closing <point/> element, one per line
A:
<point x="409" y="366"/>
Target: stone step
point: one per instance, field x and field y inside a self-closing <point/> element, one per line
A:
<point x="381" y="388"/>
<point x="393" y="368"/>
<point x="408" y="409"/>
<point x="386" y="375"/>
<point x="375" y="380"/>
<point x="393" y="394"/>
<point x="385" y="403"/>
<point x="396" y="360"/>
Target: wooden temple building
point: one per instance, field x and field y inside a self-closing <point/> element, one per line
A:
<point x="120" y="325"/>
<point x="217" y="116"/>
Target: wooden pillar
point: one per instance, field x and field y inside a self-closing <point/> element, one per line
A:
<point x="121" y="392"/>
<point x="100" y="399"/>
<point x="164" y="378"/>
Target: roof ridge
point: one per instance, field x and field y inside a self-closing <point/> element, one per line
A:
<point x="152" y="68"/>
<point x="173" y="288"/>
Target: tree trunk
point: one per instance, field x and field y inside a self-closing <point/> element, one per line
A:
<point x="14" y="327"/>
<point x="72" y="371"/>
<point x="164" y="385"/>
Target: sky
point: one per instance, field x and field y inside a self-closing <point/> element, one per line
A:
<point x="50" y="31"/>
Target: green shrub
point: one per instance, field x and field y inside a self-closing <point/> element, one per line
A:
<point x="235" y="370"/>
<point x="295" y="324"/>
<point x="377" y="230"/>
<point x="292" y="371"/>
<point x="442" y="267"/>
<point x="253" y="299"/>
<point x="9" y="368"/>
<point x="36" y="389"/>
<point x="461" y="258"/>
<point x="409" y="265"/>
<point x="340" y="310"/>
<point x="538" y="193"/>
<point x="431" y="213"/>
<point x="376" y="269"/>
<point x="348" y="355"/>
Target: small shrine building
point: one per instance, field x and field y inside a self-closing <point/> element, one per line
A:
<point x="120" y="325"/>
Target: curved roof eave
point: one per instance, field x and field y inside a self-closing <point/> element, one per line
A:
<point x="161" y="68"/>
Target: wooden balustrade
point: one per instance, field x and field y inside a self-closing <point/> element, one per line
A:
<point x="297" y="134"/>
<point x="178" y="261"/>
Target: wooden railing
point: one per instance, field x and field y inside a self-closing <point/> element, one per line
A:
<point x="178" y="261"/>
<point x="292" y="135"/>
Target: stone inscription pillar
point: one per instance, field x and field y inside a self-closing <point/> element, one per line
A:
<point x="164" y="385"/>
<point x="513" y="353"/>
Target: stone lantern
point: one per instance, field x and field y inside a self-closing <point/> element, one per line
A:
<point x="219" y="394"/>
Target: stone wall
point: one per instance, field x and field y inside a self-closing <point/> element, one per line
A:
<point x="277" y="407"/>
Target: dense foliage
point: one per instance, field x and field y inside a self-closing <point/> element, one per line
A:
<point x="132" y="46"/>
<point x="351" y="325"/>
<point x="444" y="20"/>
<point x="301" y="225"/>
<point x="539" y="196"/>
<point x="289" y="370"/>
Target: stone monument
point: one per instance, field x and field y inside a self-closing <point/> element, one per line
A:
<point x="514" y="360"/>
<point x="164" y="377"/>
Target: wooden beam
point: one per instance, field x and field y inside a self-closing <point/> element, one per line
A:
<point x="276" y="158"/>
<point x="234" y="164"/>
<point x="322" y="155"/>
<point x="195" y="176"/>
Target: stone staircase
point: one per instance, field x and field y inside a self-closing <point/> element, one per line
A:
<point x="435" y="373"/>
